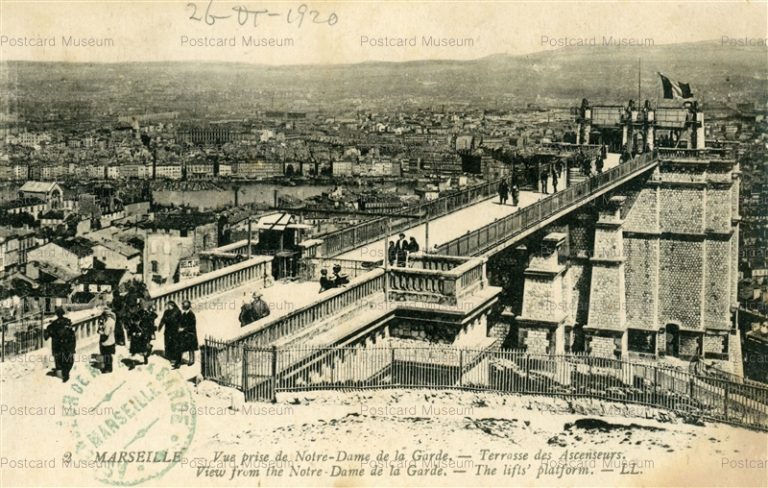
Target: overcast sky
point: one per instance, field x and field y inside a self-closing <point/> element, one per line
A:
<point x="154" y="31"/>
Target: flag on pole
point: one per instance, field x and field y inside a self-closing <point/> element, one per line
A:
<point x="675" y="90"/>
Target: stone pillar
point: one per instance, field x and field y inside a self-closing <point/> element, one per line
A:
<point x="545" y="304"/>
<point x="700" y="137"/>
<point x="585" y="125"/>
<point x="607" y="301"/>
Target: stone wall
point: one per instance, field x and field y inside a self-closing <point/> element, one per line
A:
<point x="606" y="310"/>
<point x="603" y="347"/>
<point x="535" y="341"/>
<point x="718" y="209"/>
<point x="580" y="276"/>
<point x="641" y="271"/>
<point x="643" y="216"/>
<point x="680" y="280"/>
<point x="717" y="287"/>
<point x="716" y="344"/>
<point x="682" y="210"/>
<point x="423" y="331"/>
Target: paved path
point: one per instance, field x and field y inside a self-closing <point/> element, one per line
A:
<point x="458" y="223"/>
<point x="217" y="316"/>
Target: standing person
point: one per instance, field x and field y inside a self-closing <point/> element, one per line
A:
<point x="141" y="332"/>
<point x="515" y="195"/>
<point x="391" y="253"/>
<point x="599" y="165"/>
<point x="503" y="192"/>
<point x="554" y="182"/>
<point x="604" y="152"/>
<point x="188" y="331"/>
<point x="53" y="332"/>
<point x="543" y="177"/>
<point x="413" y="246"/>
<point x="170" y="320"/>
<point x="107" y="339"/>
<point x="119" y="304"/>
<point x="402" y="250"/>
<point x="68" y="344"/>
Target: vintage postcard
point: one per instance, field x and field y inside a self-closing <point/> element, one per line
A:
<point x="383" y="243"/>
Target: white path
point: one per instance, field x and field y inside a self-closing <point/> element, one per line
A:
<point x="460" y="222"/>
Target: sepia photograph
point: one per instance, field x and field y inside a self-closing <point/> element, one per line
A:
<point x="356" y="243"/>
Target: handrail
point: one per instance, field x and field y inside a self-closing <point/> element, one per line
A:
<point x="331" y="302"/>
<point x="502" y="229"/>
<point x="465" y="278"/>
<point x="369" y="231"/>
<point x="256" y="269"/>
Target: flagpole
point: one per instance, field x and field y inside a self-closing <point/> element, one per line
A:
<point x="639" y="67"/>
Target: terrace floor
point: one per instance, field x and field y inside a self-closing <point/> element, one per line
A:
<point x="458" y="223"/>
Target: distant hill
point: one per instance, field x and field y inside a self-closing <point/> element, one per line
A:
<point x="716" y="73"/>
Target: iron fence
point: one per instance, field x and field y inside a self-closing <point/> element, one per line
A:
<point x="263" y="372"/>
<point x="22" y="335"/>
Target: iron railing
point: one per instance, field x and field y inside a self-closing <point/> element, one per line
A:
<point x="263" y="372"/>
<point x="349" y="238"/>
<point x="480" y="240"/>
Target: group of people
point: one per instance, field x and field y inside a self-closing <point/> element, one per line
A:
<point x="585" y="163"/>
<point x="397" y="252"/>
<point x="336" y="280"/>
<point x="504" y="191"/>
<point x="137" y="325"/>
<point x="544" y="178"/>
<point x="254" y="310"/>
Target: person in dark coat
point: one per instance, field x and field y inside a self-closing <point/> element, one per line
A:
<point x="559" y="167"/>
<point x="170" y="320"/>
<point x="599" y="165"/>
<point x="554" y="182"/>
<point x="392" y="253"/>
<point x="413" y="246"/>
<point x="118" y="303"/>
<point x="53" y="332"/>
<point x="253" y="311"/>
<point x="543" y="177"/>
<point x="188" y="331"/>
<point x="61" y="332"/>
<point x="68" y="344"/>
<point x="325" y="282"/>
<point x="141" y="333"/>
<point x="503" y="192"/>
<point x="402" y="250"/>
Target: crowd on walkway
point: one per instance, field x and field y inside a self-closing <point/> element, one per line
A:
<point x="127" y="322"/>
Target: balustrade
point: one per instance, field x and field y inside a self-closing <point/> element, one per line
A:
<point x="257" y="268"/>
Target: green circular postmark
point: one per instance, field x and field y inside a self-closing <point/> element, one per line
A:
<point x="129" y="428"/>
